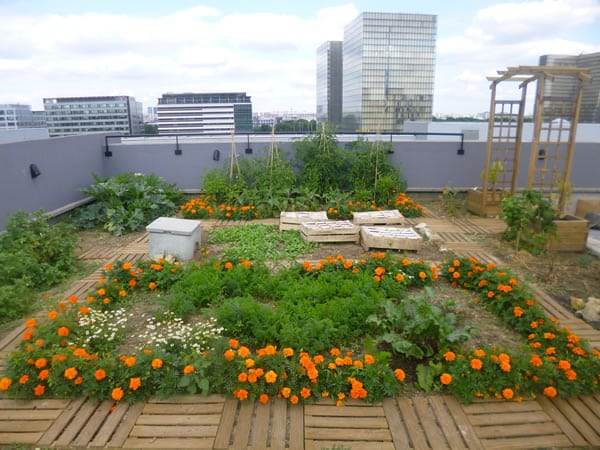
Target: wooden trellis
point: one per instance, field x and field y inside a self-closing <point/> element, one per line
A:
<point x="553" y="141"/>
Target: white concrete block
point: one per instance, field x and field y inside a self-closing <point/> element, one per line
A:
<point x="171" y="236"/>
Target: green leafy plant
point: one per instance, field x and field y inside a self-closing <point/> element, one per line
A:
<point x="529" y="218"/>
<point x="451" y="203"/>
<point x="36" y="252"/>
<point x="416" y="328"/>
<point x="128" y="202"/>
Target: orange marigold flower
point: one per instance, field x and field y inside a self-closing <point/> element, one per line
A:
<point x="505" y="367"/>
<point x="135" y="383"/>
<point x="369" y="359"/>
<point x="479" y="353"/>
<point x="550" y="351"/>
<point x="550" y="391"/>
<point x="229" y="355"/>
<point x="27" y="335"/>
<point x="249" y="363"/>
<point x="518" y="311"/>
<point x="578" y="351"/>
<point x="456" y="275"/>
<point x="571" y="375"/>
<point x="233" y="343"/>
<point x="422" y="275"/>
<point x="70" y="373"/>
<point x="72" y="299"/>
<point x="126" y="266"/>
<point x="508" y="393"/>
<point x="40" y="363"/>
<point x="270" y="376"/>
<point x="536" y="361"/>
<point x="305" y="392"/>
<point x="52" y="315"/>
<point x="476" y="364"/>
<point x="242" y="377"/>
<point x="243" y="352"/>
<point x="270" y="350"/>
<point x="446" y="378"/>
<point x="228" y="265"/>
<point x="286" y="392"/>
<point x="78" y="380"/>
<point x="288" y="352"/>
<point x="318" y="359"/>
<point x="130" y="361"/>
<point x="132" y="283"/>
<point x="259" y="372"/>
<point x="294" y="399"/>
<point x="44" y="374"/>
<point x="157" y="363"/>
<point x="117" y="394"/>
<point x="188" y="369"/>
<point x="264" y="399"/>
<point x="24" y="379"/>
<point x="482" y="283"/>
<point x="101" y="292"/>
<point x="563" y="364"/>
<point x="100" y="374"/>
<point x="400" y="375"/>
<point x="152" y="285"/>
<point x="449" y="356"/>
<point x="379" y="271"/>
<point x="39" y="390"/>
<point x="335" y="352"/>
<point x="491" y="294"/>
<point x="31" y="323"/>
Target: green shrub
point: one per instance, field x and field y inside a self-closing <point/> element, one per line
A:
<point x="16" y="299"/>
<point x="128" y="202"/>
<point x="36" y="252"/>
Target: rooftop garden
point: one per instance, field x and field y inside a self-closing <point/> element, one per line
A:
<point x="262" y="314"/>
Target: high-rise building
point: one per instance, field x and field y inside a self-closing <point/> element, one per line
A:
<point x="20" y="116"/>
<point x="388" y="70"/>
<point x="82" y="115"/>
<point x="329" y="82"/>
<point x="207" y="113"/>
<point x="565" y="87"/>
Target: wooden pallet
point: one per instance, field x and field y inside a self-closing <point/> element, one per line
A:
<point x="291" y="220"/>
<point x="385" y="217"/>
<point x="390" y="238"/>
<point x="330" y="231"/>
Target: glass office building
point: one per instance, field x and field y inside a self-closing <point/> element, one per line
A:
<point x="204" y="113"/>
<point x="566" y="87"/>
<point x="329" y="82"/>
<point x="82" y="115"/>
<point x="388" y="70"/>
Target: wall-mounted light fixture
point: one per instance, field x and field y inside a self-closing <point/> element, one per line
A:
<point x="248" y="151"/>
<point x="177" y="148"/>
<point x="107" y="152"/>
<point x="541" y="154"/>
<point x="460" y="151"/>
<point x="216" y="155"/>
<point x="34" y="171"/>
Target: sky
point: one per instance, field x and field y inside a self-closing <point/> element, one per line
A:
<point x="70" y="48"/>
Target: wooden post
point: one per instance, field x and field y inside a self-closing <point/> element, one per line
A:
<point x="565" y="188"/>
<point x="518" y="140"/>
<point x="535" y="142"/>
<point x="490" y="143"/>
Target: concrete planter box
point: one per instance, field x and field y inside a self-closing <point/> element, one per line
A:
<point x="492" y="203"/>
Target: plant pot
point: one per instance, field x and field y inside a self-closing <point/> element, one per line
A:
<point x="475" y="203"/>
<point x="571" y="234"/>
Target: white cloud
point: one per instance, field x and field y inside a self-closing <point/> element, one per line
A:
<point x="269" y="56"/>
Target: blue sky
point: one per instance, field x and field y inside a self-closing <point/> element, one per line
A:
<point x="54" y="48"/>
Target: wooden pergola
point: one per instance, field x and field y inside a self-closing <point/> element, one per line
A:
<point x="553" y="140"/>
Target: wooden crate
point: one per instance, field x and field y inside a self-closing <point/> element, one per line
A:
<point x="390" y="238"/>
<point x="492" y="204"/>
<point x="291" y="220"/>
<point x="571" y="235"/>
<point x="386" y="217"/>
<point x="330" y="231"/>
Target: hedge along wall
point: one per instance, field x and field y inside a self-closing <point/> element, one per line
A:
<point x="66" y="165"/>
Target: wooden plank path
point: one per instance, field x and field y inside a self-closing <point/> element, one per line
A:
<point x="218" y="422"/>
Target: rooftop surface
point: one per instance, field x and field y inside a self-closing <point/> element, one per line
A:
<point x="421" y="421"/>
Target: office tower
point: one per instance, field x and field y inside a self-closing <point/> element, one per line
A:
<point x="20" y="116"/>
<point x="565" y="87"/>
<point x="329" y="82"/>
<point x="206" y="113"/>
<point x="388" y="70"/>
<point x="82" y="115"/>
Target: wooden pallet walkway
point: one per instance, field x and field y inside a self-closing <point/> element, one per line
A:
<point x="217" y="422"/>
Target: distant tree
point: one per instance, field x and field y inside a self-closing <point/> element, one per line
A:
<point x="150" y="128"/>
<point x="262" y="128"/>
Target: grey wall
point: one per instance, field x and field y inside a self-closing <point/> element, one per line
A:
<point x="67" y="164"/>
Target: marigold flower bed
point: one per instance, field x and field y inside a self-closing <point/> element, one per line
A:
<point x="59" y="358"/>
